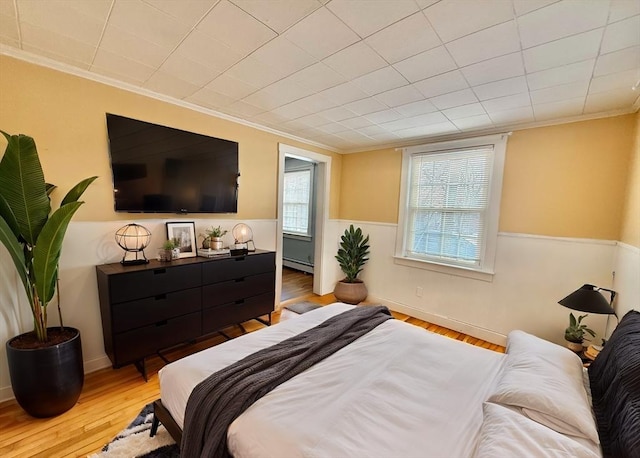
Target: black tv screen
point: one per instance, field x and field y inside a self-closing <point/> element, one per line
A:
<point x="161" y="169"/>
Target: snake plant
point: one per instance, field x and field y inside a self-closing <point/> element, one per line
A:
<point x="353" y="253"/>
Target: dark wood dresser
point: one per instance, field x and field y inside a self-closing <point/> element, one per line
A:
<point x="155" y="306"/>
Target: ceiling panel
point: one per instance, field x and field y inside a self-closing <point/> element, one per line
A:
<point x="350" y="74"/>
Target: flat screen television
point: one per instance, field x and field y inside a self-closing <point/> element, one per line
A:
<point x="158" y="169"/>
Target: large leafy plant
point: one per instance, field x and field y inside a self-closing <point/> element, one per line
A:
<point x="353" y="253"/>
<point x="576" y="330"/>
<point x="31" y="233"/>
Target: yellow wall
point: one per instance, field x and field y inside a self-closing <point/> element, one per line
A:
<point x="566" y="180"/>
<point x="630" y="232"/>
<point x="66" y="116"/>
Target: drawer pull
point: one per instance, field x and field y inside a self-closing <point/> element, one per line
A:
<point x="238" y="280"/>
<point x="161" y="323"/>
<point x="161" y="297"/>
<point x="241" y="301"/>
<point x="159" y="271"/>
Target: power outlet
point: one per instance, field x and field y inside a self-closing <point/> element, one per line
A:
<point x="419" y="291"/>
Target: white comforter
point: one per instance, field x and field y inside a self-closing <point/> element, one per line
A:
<point x="398" y="391"/>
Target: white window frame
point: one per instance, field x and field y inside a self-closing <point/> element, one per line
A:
<point x="485" y="270"/>
<point x="310" y="169"/>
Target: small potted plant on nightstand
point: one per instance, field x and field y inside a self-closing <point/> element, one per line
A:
<point x="167" y="253"/>
<point x="574" y="334"/>
<point x="213" y="238"/>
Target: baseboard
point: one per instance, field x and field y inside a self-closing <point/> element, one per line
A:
<point x="459" y="326"/>
<point x="6" y="394"/>
<point x="298" y="266"/>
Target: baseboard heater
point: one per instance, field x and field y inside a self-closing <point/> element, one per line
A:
<point x="298" y="265"/>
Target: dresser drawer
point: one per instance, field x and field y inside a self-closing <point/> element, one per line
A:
<point x="152" y="282"/>
<point x="134" y="345"/>
<point x="218" y="317"/>
<point x="240" y="288"/>
<point x="221" y="270"/>
<point x="134" y="314"/>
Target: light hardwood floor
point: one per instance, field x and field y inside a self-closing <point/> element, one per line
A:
<point x="111" y="398"/>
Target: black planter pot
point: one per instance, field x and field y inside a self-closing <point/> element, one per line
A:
<point x="47" y="381"/>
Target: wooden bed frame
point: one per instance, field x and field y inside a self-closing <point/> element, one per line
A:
<point x="162" y="415"/>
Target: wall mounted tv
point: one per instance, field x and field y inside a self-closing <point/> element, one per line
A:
<point x="159" y="169"/>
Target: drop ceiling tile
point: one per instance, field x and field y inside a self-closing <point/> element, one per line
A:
<point x="414" y="121"/>
<point x="254" y="72"/>
<point x="501" y="88"/>
<point x="400" y="96"/>
<point x="495" y="69"/>
<point x="404" y="39"/>
<point x="620" y="35"/>
<point x="416" y="108"/>
<point x="464" y="111"/>
<point x="9" y="27"/>
<point x="187" y="11"/>
<point x="610" y="100"/>
<point x="72" y="18"/>
<point x="618" y="61"/>
<point x="242" y="109"/>
<point x="284" y="55"/>
<point x="579" y="71"/>
<point x="456" y="18"/>
<point x="356" y="60"/>
<point x="279" y="15"/>
<point x="207" y="51"/>
<point x="454" y="99"/>
<point x="163" y="83"/>
<point x="426" y="64"/>
<point x="526" y="6"/>
<point x="278" y="94"/>
<point x="442" y="84"/>
<point x="473" y="122"/>
<point x="507" y="103"/>
<point x="118" y="66"/>
<point x="372" y="130"/>
<point x="226" y="84"/>
<point x="366" y="17"/>
<point x="513" y="116"/>
<point x="623" y="80"/>
<point x="434" y="129"/>
<point x="311" y="34"/>
<point x="557" y="110"/>
<point x="143" y="20"/>
<point x="59" y="58"/>
<point x="383" y="116"/>
<point x="552" y="22"/>
<point x="561" y="92"/>
<point x="188" y="70"/>
<point x="119" y="41"/>
<point x="344" y="93"/>
<point x="338" y="114"/>
<point x="365" y="106"/>
<point x="317" y="77"/>
<point x="210" y="99"/>
<point x="238" y="30"/>
<point x="332" y="128"/>
<point x="56" y="44"/>
<point x="382" y="80"/>
<point x="269" y="118"/>
<point x="622" y="9"/>
<point x="492" y="42"/>
<point x="561" y="52"/>
<point x="313" y="120"/>
<point x="356" y="123"/>
<point x="315" y="103"/>
<point x="291" y="111"/>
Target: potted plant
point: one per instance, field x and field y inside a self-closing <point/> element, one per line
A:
<point x="167" y="253"/>
<point x="45" y="365"/>
<point x="574" y="334"/>
<point x="352" y="257"/>
<point x="213" y="238"/>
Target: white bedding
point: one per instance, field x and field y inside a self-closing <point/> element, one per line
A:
<point x="397" y="391"/>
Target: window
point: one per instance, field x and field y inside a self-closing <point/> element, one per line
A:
<point x="297" y="201"/>
<point x="450" y="205"/>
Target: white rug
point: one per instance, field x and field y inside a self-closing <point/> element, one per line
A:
<point x="134" y="441"/>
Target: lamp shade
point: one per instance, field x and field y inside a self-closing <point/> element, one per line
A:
<point x="588" y="299"/>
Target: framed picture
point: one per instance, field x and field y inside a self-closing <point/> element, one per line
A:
<point x="184" y="234"/>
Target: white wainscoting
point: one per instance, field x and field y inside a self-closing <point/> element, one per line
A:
<point x="86" y="245"/>
<point x="627" y="278"/>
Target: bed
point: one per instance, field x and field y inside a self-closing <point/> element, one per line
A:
<point x="401" y="391"/>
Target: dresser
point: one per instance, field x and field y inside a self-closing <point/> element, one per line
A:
<point x="155" y="306"/>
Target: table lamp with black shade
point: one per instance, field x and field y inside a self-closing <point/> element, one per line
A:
<point x="588" y="299"/>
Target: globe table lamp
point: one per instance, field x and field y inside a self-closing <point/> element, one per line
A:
<point x="243" y="236"/>
<point x="133" y="238"/>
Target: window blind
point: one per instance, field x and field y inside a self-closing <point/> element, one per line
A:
<point x="447" y="205"/>
<point x="296" y="202"/>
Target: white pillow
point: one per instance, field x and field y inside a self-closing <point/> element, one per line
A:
<point x="545" y="380"/>
<point x="506" y="433"/>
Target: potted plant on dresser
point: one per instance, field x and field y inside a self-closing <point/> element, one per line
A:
<point x="352" y="256"/>
<point x="574" y="334"/>
<point x="45" y="365"/>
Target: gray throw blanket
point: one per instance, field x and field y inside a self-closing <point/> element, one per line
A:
<point x="218" y="400"/>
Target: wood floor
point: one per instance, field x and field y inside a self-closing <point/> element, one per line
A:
<point x="111" y="398"/>
<point x="295" y="284"/>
